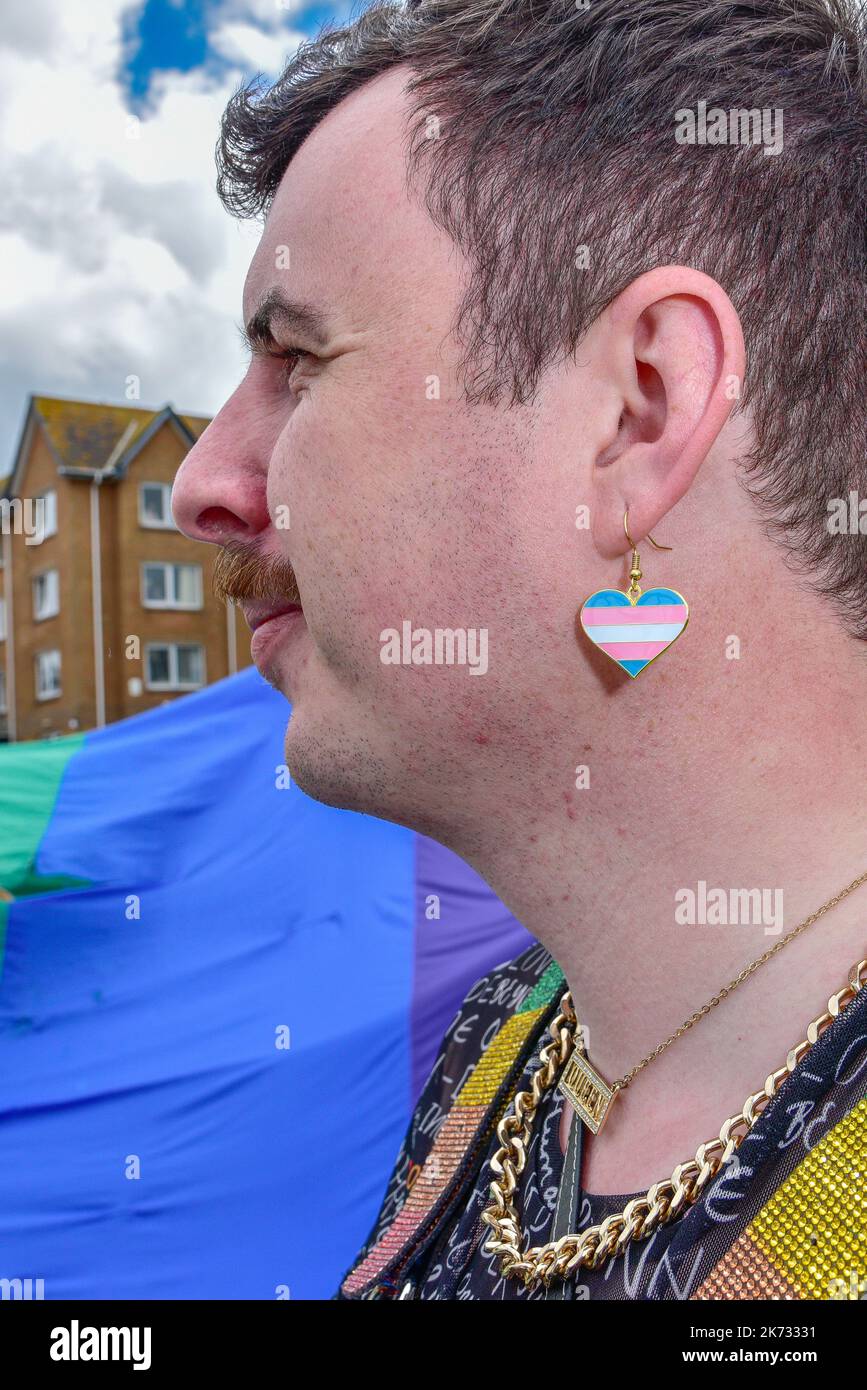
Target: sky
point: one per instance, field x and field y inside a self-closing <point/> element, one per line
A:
<point x="116" y="257"/>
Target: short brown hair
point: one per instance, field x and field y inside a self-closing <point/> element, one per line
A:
<point x="557" y="130"/>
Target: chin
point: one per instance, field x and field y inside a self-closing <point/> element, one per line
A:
<point x="340" y="773"/>
<point x="339" y="767"/>
<point x="319" y="766"/>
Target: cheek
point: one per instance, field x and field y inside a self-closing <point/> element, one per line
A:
<point x="300" y="488"/>
<point x="385" y="528"/>
<point x="320" y="474"/>
<point x="280" y="487"/>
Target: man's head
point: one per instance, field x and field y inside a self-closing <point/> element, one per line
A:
<point x="528" y="279"/>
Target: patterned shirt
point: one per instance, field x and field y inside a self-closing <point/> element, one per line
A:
<point x="785" y="1218"/>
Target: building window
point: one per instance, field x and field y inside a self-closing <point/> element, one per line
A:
<point x="155" y="506"/>
<point x="2" y="692"/>
<point x="49" y="513"/>
<point x="47" y="675"/>
<point x="2" y="620"/>
<point x="46" y="595"/>
<point x="171" y="586"/>
<point x="174" y="666"/>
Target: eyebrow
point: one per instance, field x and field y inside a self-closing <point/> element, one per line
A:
<point x="275" y="309"/>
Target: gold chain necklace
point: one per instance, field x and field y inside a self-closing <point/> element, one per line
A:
<point x="590" y="1095"/>
<point x="663" y="1201"/>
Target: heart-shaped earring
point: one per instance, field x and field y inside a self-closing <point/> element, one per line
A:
<point x="634" y="628"/>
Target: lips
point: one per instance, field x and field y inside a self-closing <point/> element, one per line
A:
<point x="259" y="613"/>
<point x="275" y="629"/>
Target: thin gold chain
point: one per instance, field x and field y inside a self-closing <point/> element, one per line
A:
<point x="662" y="1203"/>
<point x="733" y="984"/>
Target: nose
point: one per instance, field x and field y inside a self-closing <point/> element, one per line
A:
<point x="220" y="490"/>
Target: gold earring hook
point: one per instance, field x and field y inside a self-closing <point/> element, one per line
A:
<point x="649" y="537"/>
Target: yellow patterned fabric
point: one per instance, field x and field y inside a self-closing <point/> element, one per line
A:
<point x="471" y="1113"/>
<point x="810" y="1239"/>
<point x="486" y="1079"/>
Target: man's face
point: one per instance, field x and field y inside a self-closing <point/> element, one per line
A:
<point x="362" y="467"/>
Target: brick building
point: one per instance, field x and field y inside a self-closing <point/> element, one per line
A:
<point x="105" y="608"/>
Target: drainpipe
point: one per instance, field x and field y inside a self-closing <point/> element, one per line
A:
<point x="96" y="567"/>
<point x="96" y="590"/>
<point x="11" y="711"/>
<point x="232" y="637"/>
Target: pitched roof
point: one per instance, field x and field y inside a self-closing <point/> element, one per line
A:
<point x="85" y="436"/>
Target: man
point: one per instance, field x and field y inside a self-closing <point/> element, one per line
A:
<point x="516" y="259"/>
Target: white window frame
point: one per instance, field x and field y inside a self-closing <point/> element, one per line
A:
<point x="45" y="574"/>
<point x="50" y="526"/>
<point x="167" y="524"/>
<point x="3" y="704"/>
<point x="173" y="683"/>
<point x="48" y="694"/>
<point x="169" y="568"/>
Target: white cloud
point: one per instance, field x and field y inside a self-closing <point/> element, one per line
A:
<point x="269" y="14"/>
<point x="30" y="28"/>
<point x="115" y="255"/>
<point x="253" y="49"/>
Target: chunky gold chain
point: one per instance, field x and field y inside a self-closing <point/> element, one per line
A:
<point x="662" y="1203"/>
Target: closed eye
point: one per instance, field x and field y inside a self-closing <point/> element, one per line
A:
<point x="290" y="357"/>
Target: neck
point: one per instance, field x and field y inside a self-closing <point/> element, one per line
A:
<point x="617" y="880"/>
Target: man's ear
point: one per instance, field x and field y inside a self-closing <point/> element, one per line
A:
<point x="675" y="351"/>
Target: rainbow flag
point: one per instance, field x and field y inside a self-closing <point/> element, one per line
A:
<point x="219" y="1001"/>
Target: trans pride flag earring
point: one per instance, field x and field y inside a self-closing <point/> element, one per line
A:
<point x="634" y="628"/>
